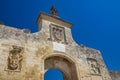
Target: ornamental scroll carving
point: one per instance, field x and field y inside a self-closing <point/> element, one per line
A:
<point x="93" y="65"/>
<point x="57" y="33"/>
<point x="15" y="59"/>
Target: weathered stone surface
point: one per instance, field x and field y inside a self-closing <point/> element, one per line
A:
<point x="27" y="56"/>
<point x="115" y="75"/>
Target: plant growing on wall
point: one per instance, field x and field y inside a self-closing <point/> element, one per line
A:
<point x="1" y="23"/>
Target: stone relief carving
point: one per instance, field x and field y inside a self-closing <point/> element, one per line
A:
<point x="15" y="58"/>
<point x="93" y="65"/>
<point x="57" y="33"/>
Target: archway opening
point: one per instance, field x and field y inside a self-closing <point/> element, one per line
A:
<point x="53" y="74"/>
<point x="63" y="64"/>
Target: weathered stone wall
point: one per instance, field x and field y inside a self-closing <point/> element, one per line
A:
<point x="23" y="55"/>
<point x="115" y="75"/>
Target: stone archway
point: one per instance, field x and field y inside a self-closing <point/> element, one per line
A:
<point x="62" y="63"/>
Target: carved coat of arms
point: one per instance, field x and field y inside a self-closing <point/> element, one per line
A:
<point x="57" y="33"/>
<point x="93" y="66"/>
<point x="15" y="58"/>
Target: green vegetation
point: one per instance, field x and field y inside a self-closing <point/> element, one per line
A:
<point x="1" y="23"/>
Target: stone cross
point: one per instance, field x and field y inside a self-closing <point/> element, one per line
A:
<point x="53" y="11"/>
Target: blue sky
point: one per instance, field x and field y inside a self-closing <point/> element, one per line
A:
<point x="96" y="22"/>
<point x="53" y="74"/>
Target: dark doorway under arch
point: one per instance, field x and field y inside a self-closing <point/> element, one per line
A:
<point x="53" y="74"/>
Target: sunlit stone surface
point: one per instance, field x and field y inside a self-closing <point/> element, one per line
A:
<point x="27" y="56"/>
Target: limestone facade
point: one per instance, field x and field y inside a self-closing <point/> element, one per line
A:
<point x="115" y="75"/>
<point x="27" y="56"/>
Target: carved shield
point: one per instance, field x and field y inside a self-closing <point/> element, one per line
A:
<point x="15" y="58"/>
<point x="58" y="34"/>
<point x="13" y="62"/>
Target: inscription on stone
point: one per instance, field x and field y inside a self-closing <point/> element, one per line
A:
<point x="58" y="47"/>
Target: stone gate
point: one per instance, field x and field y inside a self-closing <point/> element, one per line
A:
<point x="27" y="56"/>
